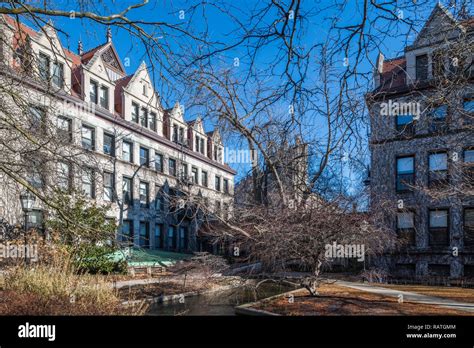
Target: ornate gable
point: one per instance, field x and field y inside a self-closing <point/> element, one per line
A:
<point x="110" y="58"/>
<point x="440" y="25"/>
<point x="198" y="126"/>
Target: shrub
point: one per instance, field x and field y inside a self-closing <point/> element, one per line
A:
<point x="97" y="259"/>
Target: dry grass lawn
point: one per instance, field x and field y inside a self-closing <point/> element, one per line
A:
<point x="339" y="300"/>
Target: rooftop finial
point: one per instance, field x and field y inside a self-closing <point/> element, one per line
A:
<point x="109" y="34"/>
<point x="79" y="47"/>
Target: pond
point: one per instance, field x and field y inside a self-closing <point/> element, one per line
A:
<point x="218" y="303"/>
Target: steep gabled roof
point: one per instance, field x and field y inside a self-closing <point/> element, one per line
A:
<point x="88" y="58"/>
<point x="394" y="73"/>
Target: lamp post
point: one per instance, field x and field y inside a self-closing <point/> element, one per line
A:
<point x="27" y="200"/>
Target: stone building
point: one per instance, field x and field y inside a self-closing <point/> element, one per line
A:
<point x="422" y="147"/>
<point x="291" y="164"/>
<point x="141" y="153"/>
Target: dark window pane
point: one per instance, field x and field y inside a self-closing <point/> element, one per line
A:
<point x="144" y="156"/>
<point x="469" y="226"/>
<point x="135" y="112"/>
<point x="109" y="144"/>
<point x="422" y="67"/>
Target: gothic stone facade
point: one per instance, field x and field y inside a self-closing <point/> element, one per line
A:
<point x="412" y="153"/>
<point x="143" y="150"/>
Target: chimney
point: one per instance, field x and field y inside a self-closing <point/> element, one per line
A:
<point x="378" y="69"/>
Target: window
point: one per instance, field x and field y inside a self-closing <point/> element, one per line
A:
<point x="438" y="270"/>
<point x="405" y="172"/>
<point x="158" y="236"/>
<point x="194" y="175"/>
<point x="64" y="176"/>
<point x="35" y="220"/>
<point x="127" y="190"/>
<point x="215" y="152"/>
<point x="144" y="157"/>
<point x="109" y="144"/>
<point x="406" y="227"/>
<point x="35" y="178"/>
<point x="88" y="137"/>
<point x="104" y="97"/>
<point x="144" y="194"/>
<point x="37" y="116"/>
<point x="469" y="156"/>
<point x="135" y="112"/>
<point x="144" y="234"/>
<point x="127" y="231"/>
<point x="93" y="90"/>
<point x="153" y="121"/>
<point x="184" y="171"/>
<point x="204" y="178"/>
<point x="159" y="199"/>
<point x="469" y="166"/>
<point x="468" y="104"/>
<point x="439" y="115"/>
<point x="438" y="227"/>
<point x="469" y="226"/>
<point x="127" y="151"/>
<point x="183" y="238"/>
<point x="226" y="186"/>
<point x="218" y="208"/>
<point x="197" y="144"/>
<point x="64" y="129"/>
<point x="159" y="162"/>
<point x="422" y="67"/>
<point x="88" y="182"/>
<point x="202" y="146"/>
<point x="181" y="135"/>
<point x="172" y="166"/>
<point x="405" y="270"/>
<point x="144" y="117"/>
<point x="405" y="124"/>
<point x="108" y="187"/>
<point x="44" y="67"/>
<point x="438" y="169"/>
<point x="171" y="238"/>
<point x="175" y="133"/>
<point x="58" y="74"/>
<point x="219" y="154"/>
<point x="218" y="183"/>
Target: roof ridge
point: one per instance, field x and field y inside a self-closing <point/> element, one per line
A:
<point x="95" y="48"/>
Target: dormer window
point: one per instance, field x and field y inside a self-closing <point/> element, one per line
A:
<point x="145" y="89"/>
<point x="135" y="112"/>
<point x="197" y="144"/>
<point x="181" y="135"/>
<point x="44" y="66"/>
<point x="58" y="74"/>
<point x="153" y="121"/>
<point x="93" y="91"/>
<point x="422" y="67"/>
<point x="202" y="146"/>
<point x="215" y="152"/>
<point x="104" y="97"/>
<point x="175" y="133"/>
<point x="144" y="117"/>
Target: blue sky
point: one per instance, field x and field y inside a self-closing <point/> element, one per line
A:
<point x="220" y="27"/>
